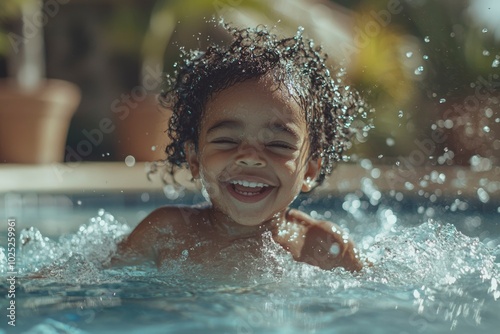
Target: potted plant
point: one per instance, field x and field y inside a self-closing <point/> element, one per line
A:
<point x="34" y="111"/>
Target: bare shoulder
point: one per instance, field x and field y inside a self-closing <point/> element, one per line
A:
<point x="317" y="242"/>
<point x="162" y="223"/>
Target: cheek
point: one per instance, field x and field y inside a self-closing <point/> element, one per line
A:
<point x="208" y="167"/>
<point x="292" y="167"/>
<point x="213" y="168"/>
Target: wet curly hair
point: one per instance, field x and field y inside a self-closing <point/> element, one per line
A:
<point x="330" y="106"/>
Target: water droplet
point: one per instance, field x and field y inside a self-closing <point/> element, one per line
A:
<point x="335" y="249"/>
<point x="145" y="197"/>
<point x="375" y="173"/>
<point x="79" y="202"/>
<point x="488" y="112"/>
<point x="486" y="129"/>
<point x="130" y="161"/>
<point x="483" y="195"/>
<point x="390" y="141"/>
<point x="409" y="54"/>
<point x="485" y="30"/>
<point x="401" y="114"/>
<point x="496" y="63"/>
<point x="184" y="255"/>
<point x="425" y="57"/>
<point x="419" y="70"/>
<point x="380" y="156"/>
<point x="452" y="34"/>
<point x="170" y="192"/>
<point x="427" y="39"/>
<point x="486" y="53"/>
<point x="153" y="148"/>
<point x="366" y="164"/>
<point x="442" y="100"/>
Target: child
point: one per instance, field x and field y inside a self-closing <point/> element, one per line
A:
<point x="256" y="123"/>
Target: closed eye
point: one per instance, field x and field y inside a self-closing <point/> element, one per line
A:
<point x="281" y="145"/>
<point x="224" y="141"/>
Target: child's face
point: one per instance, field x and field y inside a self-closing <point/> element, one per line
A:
<point x="253" y="151"/>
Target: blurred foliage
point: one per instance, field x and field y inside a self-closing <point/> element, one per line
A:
<point x="190" y="18"/>
<point x="126" y="29"/>
<point x="9" y="11"/>
<point x="380" y="71"/>
<point x="455" y="47"/>
<point x="11" y="8"/>
<point x="149" y="33"/>
<point x="430" y="51"/>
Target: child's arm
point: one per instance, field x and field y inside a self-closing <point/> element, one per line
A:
<point x="322" y="244"/>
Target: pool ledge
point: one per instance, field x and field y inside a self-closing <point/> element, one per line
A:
<point x="116" y="176"/>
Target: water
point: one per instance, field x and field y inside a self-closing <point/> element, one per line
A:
<point x="432" y="275"/>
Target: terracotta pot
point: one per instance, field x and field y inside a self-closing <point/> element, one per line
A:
<point x="141" y="129"/>
<point x="34" y="124"/>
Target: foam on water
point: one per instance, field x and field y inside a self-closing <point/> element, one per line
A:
<point x="430" y="270"/>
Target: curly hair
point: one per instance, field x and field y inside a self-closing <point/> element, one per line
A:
<point x="330" y="106"/>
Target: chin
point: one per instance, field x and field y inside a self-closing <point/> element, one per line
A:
<point x="248" y="221"/>
<point x="253" y="218"/>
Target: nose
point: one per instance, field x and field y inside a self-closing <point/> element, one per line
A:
<point x="249" y="157"/>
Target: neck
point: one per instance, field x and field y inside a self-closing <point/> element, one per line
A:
<point x="232" y="230"/>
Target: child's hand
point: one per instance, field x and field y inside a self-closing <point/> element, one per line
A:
<point x="323" y="244"/>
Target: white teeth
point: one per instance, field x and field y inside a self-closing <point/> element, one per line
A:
<point x="249" y="184"/>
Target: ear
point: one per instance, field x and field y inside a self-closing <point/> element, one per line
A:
<point x="312" y="171"/>
<point x="192" y="159"/>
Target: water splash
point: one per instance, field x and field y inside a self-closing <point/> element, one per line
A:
<point x="429" y="269"/>
<point x="75" y="257"/>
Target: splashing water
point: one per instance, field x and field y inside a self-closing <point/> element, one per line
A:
<point x="427" y="274"/>
<point x="75" y="257"/>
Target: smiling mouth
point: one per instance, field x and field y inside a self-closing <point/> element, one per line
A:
<point x="247" y="188"/>
<point x="246" y="191"/>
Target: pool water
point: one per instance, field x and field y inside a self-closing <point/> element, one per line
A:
<point x="434" y="271"/>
